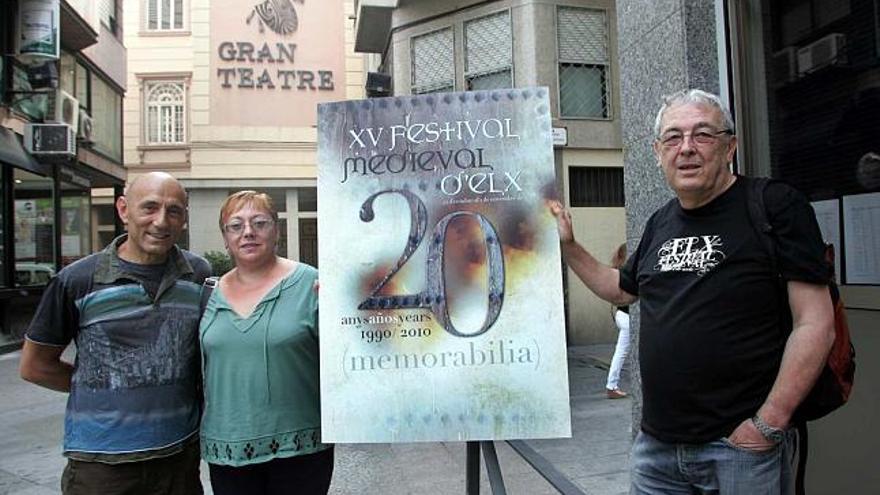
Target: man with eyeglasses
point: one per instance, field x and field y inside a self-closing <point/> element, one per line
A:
<point x="720" y="378"/>
<point x="132" y="417"/>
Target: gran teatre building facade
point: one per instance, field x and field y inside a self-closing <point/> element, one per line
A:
<point x="223" y="93"/>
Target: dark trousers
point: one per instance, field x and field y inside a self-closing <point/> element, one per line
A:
<point x="304" y="474"/>
<point x="176" y="474"/>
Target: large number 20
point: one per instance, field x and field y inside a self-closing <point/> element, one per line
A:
<point x="434" y="295"/>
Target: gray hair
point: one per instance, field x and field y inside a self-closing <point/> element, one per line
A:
<point x="694" y="97"/>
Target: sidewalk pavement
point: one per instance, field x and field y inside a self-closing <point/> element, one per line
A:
<point x="595" y="459"/>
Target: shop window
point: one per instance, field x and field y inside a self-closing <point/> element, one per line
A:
<point x="76" y="231"/>
<point x="307" y="198"/>
<point x="281" y="247"/>
<point x="807" y="114"/>
<point x="279" y="198"/>
<point x="308" y="241"/>
<point x="433" y="62"/>
<point x="595" y="186"/>
<point x="165" y="112"/>
<point x="582" y="40"/>
<point x="164" y="15"/>
<point x="34" y="220"/>
<point x="488" y="52"/>
<point x="106" y="112"/>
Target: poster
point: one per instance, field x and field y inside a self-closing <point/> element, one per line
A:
<point x="441" y="307"/>
<point x="861" y="227"/>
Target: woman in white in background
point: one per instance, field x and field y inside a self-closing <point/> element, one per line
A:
<point x="621" y="319"/>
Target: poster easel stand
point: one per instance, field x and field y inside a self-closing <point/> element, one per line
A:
<point x="493" y="468"/>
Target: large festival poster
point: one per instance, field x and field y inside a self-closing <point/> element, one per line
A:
<point x="441" y="313"/>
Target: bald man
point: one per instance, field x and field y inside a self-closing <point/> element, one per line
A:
<point x="132" y="311"/>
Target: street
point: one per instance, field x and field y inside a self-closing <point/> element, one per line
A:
<point x="594" y="459"/>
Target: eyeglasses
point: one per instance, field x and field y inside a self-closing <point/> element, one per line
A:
<point x="674" y="139"/>
<point x="258" y="224"/>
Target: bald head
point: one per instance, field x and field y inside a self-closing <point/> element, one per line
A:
<point x="153" y="210"/>
<point x="155" y="181"/>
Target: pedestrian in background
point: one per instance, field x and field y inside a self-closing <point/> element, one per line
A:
<point x="261" y="430"/>
<point x="132" y="310"/>
<point x="621" y="350"/>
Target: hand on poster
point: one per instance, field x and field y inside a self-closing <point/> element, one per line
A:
<point x="563" y="222"/>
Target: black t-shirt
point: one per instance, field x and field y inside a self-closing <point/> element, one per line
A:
<point x="148" y="275"/>
<point x="710" y="338"/>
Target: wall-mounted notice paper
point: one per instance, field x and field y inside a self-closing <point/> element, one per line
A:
<point x="861" y="230"/>
<point x="441" y="287"/>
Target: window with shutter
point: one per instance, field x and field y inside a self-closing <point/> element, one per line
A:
<point x="165" y="113"/>
<point x="164" y="15"/>
<point x="488" y="52"/>
<point x="582" y="40"/>
<point x="433" y="64"/>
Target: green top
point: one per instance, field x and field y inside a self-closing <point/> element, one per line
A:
<point x="262" y="396"/>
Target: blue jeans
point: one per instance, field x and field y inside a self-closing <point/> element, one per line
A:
<point x="716" y="467"/>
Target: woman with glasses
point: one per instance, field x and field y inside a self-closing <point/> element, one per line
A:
<point x="259" y="340"/>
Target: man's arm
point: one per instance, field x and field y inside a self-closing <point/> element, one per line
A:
<point x="41" y="364"/>
<point x="805" y="354"/>
<point x="599" y="278"/>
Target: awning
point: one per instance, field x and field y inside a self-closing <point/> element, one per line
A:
<point x="12" y="152"/>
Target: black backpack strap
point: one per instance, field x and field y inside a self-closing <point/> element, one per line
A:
<point x="758" y="215"/>
<point x="207" y="288"/>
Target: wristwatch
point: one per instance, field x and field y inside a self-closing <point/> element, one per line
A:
<point x="775" y="435"/>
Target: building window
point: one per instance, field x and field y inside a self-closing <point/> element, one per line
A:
<point x="433" y="62"/>
<point x="106" y="113"/>
<point x="488" y="52"/>
<point x="83" y="77"/>
<point x="165" y="113"/>
<point x="595" y="186"/>
<point x="164" y="15"/>
<point x="107" y="14"/>
<point x="582" y="40"/>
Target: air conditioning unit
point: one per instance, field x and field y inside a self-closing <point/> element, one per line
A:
<point x="86" y="128"/>
<point x="829" y="50"/>
<point x="50" y="139"/>
<point x="784" y="66"/>
<point x="378" y="84"/>
<point x="63" y="109"/>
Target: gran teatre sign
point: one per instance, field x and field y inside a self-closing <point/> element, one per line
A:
<point x="273" y="62"/>
<point x="268" y="66"/>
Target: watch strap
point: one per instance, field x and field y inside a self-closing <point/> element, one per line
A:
<point x="775" y="435"/>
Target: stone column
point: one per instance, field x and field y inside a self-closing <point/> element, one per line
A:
<point x="664" y="46"/>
